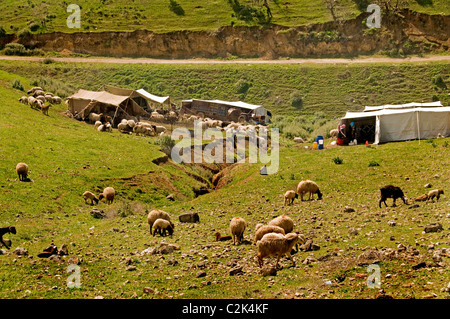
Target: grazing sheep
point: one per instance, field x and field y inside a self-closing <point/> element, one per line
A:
<point x="23" y="99"/>
<point x="41" y="98"/>
<point x="142" y="129"/>
<point x="310" y="187"/>
<point x="276" y="244"/>
<point x="261" y="230"/>
<point x="93" y="117"/>
<point x="34" y="89"/>
<point x="56" y="100"/>
<point x="155" y="116"/>
<point x="91" y="196"/>
<point x="435" y="193"/>
<point x="38" y="92"/>
<point x="393" y="192"/>
<point x="156" y="214"/>
<point x="4" y="230"/>
<point x="108" y="194"/>
<point x="284" y="222"/>
<point x="159" y="129"/>
<point x="237" y="228"/>
<point x="221" y="238"/>
<point x="289" y="197"/>
<point x="421" y="198"/>
<point x="162" y="225"/>
<point x="97" y="124"/>
<point x="22" y="171"/>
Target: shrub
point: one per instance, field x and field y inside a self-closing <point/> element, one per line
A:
<point x="242" y="86"/>
<point x="296" y="99"/>
<point x="439" y="82"/>
<point x="17" y="85"/>
<point x="176" y="8"/>
<point x="2" y="32"/>
<point x="166" y="144"/>
<point x="373" y="163"/>
<point x="24" y="33"/>
<point x="15" y="49"/>
<point x="338" y="160"/>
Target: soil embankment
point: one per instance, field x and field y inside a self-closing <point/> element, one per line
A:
<point x="410" y="31"/>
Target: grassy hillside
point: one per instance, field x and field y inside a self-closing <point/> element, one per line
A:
<point x="159" y="16"/>
<point x="303" y="98"/>
<point x="67" y="157"/>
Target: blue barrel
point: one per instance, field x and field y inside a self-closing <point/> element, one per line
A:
<point x="319" y="141"/>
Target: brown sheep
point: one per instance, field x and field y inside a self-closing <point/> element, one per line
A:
<point x="156" y="214"/>
<point x="221" y="238"/>
<point x="22" y="171"/>
<point x="89" y="195"/>
<point x="435" y="193"/>
<point x="309" y="187"/>
<point x="108" y="194"/>
<point x="161" y="226"/>
<point x="289" y="197"/>
<point x="261" y="230"/>
<point x="284" y="222"/>
<point x="276" y="244"/>
<point x="237" y="228"/>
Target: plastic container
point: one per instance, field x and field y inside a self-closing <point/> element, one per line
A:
<point x="319" y="141"/>
<point x="314" y="145"/>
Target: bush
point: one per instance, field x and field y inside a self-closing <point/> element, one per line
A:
<point x="166" y="144"/>
<point x="338" y="160"/>
<point x="439" y="82"/>
<point x="296" y="99"/>
<point x="24" y="33"/>
<point x="176" y="8"/>
<point x="242" y="86"/>
<point x="17" y="85"/>
<point x="2" y="32"/>
<point x="373" y="163"/>
<point x="15" y="49"/>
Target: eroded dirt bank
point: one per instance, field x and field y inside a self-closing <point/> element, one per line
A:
<point x="412" y="32"/>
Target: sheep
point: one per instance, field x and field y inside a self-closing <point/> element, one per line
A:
<point x="45" y="108"/>
<point x="89" y="195"/>
<point x="97" y="124"/>
<point x="23" y="99"/>
<point x="108" y="194"/>
<point x="38" y="92"/>
<point x="4" y="230"/>
<point x="93" y="117"/>
<point x="156" y="214"/>
<point x="56" y="100"/>
<point x="33" y="89"/>
<point x="162" y="225"/>
<point x="141" y="129"/>
<point x="221" y="238"/>
<point x="261" y="230"/>
<point x="159" y="129"/>
<point x="157" y="117"/>
<point x="22" y="171"/>
<point x="123" y="127"/>
<point x="276" y="244"/>
<point x="289" y="197"/>
<point x="41" y="98"/>
<point x="310" y="187"/>
<point x="435" y="193"/>
<point x="393" y="192"/>
<point x="284" y="222"/>
<point x="237" y="228"/>
<point x="37" y="104"/>
<point x="104" y="128"/>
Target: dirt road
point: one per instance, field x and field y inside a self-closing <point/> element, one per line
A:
<point x="236" y="61"/>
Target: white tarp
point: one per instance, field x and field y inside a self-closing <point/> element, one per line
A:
<point x="407" y="123"/>
<point x="155" y="98"/>
<point x="402" y="106"/>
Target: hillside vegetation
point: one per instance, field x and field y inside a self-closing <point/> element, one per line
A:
<point x="67" y="157"/>
<point x="35" y="16"/>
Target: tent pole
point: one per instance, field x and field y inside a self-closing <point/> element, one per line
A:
<point x="418" y="127"/>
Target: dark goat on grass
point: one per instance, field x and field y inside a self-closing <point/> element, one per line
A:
<point x="393" y="192"/>
<point x="4" y="230"/>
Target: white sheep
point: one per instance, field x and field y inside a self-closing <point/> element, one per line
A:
<point x="310" y="187"/>
<point x="33" y="89"/>
<point x="237" y="228"/>
<point x="155" y="116"/>
<point x="131" y="123"/>
<point x="97" y="124"/>
<point x="435" y="193"/>
<point x="161" y="226"/>
<point x="261" y="230"/>
<point x="108" y="194"/>
<point x="22" y="171"/>
<point x="56" y="100"/>
<point x="142" y="129"/>
<point x="284" y="222"/>
<point x="41" y="98"/>
<point x="159" y="129"/>
<point x="156" y="214"/>
<point x="23" y="99"/>
<point x="276" y="244"/>
<point x="289" y="197"/>
<point x="90" y="196"/>
<point x="93" y="117"/>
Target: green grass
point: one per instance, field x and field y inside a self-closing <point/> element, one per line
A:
<point x="101" y="15"/>
<point x="67" y="157"/>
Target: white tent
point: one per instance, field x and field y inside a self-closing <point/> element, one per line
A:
<point x="401" y="124"/>
<point x="402" y="106"/>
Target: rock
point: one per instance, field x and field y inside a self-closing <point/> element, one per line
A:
<point x="353" y="231"/>
<point x="131" y="268"/>
<point x="348" y="209"/>
<point x="200" y="274"/>
<point x="419" y="265"/>
<point x="98" y="213"/>
<point x="309" y="260"/>
<point x="170" y="197"/>
<point x="20" y="251"/>
<point x="413" y="206"/>
<point x="236" y="270"/>
<point x="148" y="290"/>
<point x="64" y="250"/>
<point x="391" y="223"/>
<point x="189" y="217"/>
<point x="382" y="295"/>
<point x="433" y="227"/>
<point x="428" y="185"/>
<point x="54" y="258"/>
<point x="368" y="257"/>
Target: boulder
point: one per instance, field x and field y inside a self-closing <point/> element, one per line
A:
<point x="433" y="227"/>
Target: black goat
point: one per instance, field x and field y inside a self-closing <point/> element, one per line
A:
<point x="393" y="192"/>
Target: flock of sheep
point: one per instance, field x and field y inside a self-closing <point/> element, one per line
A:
<point x="37" y="98"/>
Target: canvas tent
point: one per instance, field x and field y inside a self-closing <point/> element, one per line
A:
<point x="398" y="123"/>
<point x="84" y="102"/>
<point x="143" y="98"/>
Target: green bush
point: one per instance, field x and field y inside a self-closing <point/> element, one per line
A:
<point x="24" y="32"/>
<point x="2" y="32"/>
<point x="242" y="86"/>
<point x="166" y="144"/>
<point x="338" y="160"/>
<point x="176" y="8"/>
<point x="373" y="163"/>
<point x="296" y="99"/>
<point x="15" y="49"/>
<point x="17" y="85"/>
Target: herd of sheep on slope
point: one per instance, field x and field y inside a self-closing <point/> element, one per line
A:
<point x="37" y="99"/>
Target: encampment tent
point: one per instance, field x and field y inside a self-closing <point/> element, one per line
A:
<point x="84" y="102"/>
<point x="143" y="98"/>
<point x="396" y="123"/>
